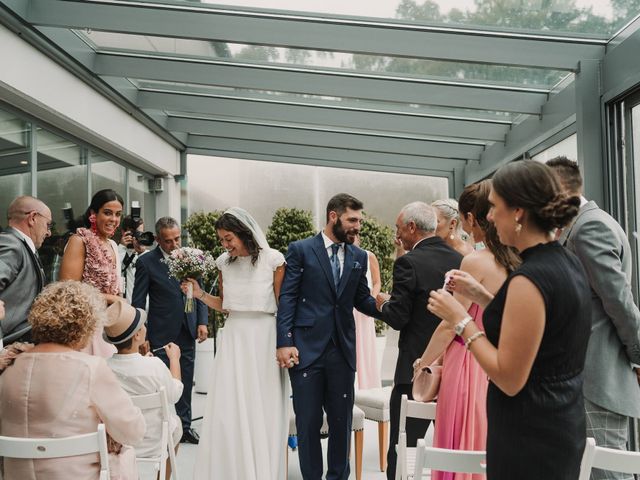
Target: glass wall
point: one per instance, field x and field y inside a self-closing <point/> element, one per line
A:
<point x="15" y="160"/>
<point x="139" y="192"/>
<point x="62" y="173"/>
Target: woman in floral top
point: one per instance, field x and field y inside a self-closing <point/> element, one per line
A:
<point x="91" y="256"/>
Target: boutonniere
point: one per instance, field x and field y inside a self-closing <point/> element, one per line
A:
<point x="357" y="266"/>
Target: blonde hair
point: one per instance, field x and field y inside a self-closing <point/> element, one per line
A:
<point x="448" y="208"/>
<point x="67" y="313"/>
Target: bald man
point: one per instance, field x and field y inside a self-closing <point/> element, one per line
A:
<point x="21" y="274"/>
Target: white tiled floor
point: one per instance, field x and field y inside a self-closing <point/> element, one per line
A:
<point x="370" y="462"/>
<point x="370" y="466"/>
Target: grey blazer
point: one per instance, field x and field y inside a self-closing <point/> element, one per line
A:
<point x="603" y="249"/>
<point x="21" y="279"/>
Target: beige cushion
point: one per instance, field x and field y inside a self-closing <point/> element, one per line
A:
<point x="357" y="423"/>
<point x="374" y="402"/>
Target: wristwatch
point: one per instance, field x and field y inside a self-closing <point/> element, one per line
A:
<point x="459" y="327"/>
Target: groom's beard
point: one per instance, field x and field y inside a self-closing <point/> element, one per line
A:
<point x="343" y="235"/>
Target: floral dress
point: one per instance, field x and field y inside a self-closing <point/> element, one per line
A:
<point x="102" y="272"/>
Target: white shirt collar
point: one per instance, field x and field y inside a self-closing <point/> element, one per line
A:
<point x="583" y="201"/>
<point x="418" y="242"/>
<point x="328" y="242"/>
<point x="164" y="254"/>
<point x="27" y="239"/>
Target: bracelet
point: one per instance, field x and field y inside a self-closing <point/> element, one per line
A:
<point x="472" y="339"/>
<point x="201" y="297"/>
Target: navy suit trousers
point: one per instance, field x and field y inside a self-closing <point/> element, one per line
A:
<point x="326" y="384"/>
<point x="187" y="358"/>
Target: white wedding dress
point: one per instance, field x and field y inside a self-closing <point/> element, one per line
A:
<point x="246" y="419"/>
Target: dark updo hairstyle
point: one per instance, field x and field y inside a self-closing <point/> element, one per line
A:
<point x="232" y="224"/>
<point x="535" y="187"/>
<point x="475" y="200"/>
<point x="98" y="200"/>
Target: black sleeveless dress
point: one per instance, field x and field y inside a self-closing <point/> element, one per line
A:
<point x="539" y="434"/>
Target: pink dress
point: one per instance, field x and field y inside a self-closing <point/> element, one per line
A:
<point x="367" y="368"/>
<point x="102" y="273"/>
<point x="461" y="416"/>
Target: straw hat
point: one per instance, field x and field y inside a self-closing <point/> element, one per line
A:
<point x="123" y="321"/>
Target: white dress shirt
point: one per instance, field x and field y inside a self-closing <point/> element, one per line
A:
<point x="140" y="375"/>
<point x="327" y="245"/>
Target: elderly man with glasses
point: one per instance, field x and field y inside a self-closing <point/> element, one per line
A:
<point x="21" y="273"/>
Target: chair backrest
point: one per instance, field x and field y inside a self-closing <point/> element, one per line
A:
<point x="389" y="357"/>
<point x="38" y="448"/>
<point x="607" y="459"/>
<point x="413" y="409"/>
<point x="446" y="460"/>
<point x="153" y="400"/>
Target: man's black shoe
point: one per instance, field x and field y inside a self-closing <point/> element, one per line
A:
<point x="190" y="436"/>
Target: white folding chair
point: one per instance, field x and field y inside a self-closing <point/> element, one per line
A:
<point x="406" y="456"/>
<point x="446" y="460"/>
<point x="39" y="448"/>
<point x="374" y="402"/>
<point x="151" y="401"/>
<point x="607" y="459"/>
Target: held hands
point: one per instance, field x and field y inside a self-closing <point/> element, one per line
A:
<point x="287" y="357"/>
<point x="442" y="304"/>
<point x="380" y="299"/>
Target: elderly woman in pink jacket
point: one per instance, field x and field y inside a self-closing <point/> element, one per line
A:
<point x="54" y="390"/>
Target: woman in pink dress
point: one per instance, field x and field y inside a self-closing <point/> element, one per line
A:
<point x="368" y="372"/>
<point x="91" y="257"/>
<point x="461" y="419"/>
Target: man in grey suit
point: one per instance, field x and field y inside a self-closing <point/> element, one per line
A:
<point x="611" y="389"/>
<point x="21" y="274"/>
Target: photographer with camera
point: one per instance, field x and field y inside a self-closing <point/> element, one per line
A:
<point x="132" y="244"/>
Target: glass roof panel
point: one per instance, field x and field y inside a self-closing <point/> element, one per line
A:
<point x="352" y="103"/>
<point x="440" y="70"/>
<point x="599" y="18"/>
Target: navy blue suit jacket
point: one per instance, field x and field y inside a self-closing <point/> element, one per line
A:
<point x="310" y="305"/>
<point x="166" y="301"/>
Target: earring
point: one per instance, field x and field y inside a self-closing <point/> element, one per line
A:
<point x="92" y="221"/>
<point x="518" y="226"/>
<point x="452" y="236"/>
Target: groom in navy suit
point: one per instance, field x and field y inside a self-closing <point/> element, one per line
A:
<point x="325" y="279"/>
<point x="166" y="320"/>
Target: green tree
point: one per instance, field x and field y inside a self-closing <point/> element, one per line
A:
<point x="378" y="239"/>
<point x="289" y="225"/>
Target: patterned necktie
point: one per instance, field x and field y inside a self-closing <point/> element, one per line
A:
<point x="335" y="263"/>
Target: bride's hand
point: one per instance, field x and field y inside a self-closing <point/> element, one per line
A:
<point x="184" y="286"/>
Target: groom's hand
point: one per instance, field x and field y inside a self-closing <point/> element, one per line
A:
<point x="287" y="357"/>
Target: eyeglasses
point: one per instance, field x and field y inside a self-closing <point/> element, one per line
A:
<point x="50" y="223"/>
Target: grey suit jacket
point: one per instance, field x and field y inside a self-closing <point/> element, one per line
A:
<point x="603" y="249"/>
<point x="21" y="279"/>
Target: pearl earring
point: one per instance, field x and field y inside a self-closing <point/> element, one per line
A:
<point x="518" y="226"/>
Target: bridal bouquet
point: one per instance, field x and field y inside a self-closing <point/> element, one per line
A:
<point x="189" y="262"/>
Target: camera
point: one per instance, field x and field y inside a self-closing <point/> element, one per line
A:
<point x="131" y="224"/>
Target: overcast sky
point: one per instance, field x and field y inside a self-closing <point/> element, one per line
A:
<point x="379" y="8"/>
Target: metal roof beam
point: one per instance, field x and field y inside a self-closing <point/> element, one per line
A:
<point x="351" y="140"/>
<point x="320" y="162"/>
<point x="325" y="154"/>
<point x="557" y="114"/>
<point x="317" y="82"/>
<point x="400" y="121"/>
<point x="318" y="32"/>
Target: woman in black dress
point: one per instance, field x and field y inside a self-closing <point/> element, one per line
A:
<point x="537" y="328"/>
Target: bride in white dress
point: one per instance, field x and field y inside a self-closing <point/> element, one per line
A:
<point x="244" y="435"/>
